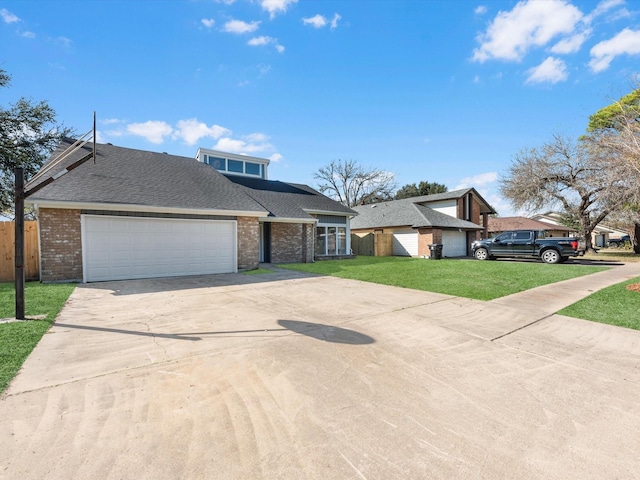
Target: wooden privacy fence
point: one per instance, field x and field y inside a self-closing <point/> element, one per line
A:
<point x="372" y="244"/>
<point x="7" y="240"/>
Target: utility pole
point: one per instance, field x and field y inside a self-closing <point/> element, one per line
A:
<point x="19" y="242"/>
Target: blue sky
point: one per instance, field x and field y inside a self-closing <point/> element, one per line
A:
<point x="441" y="91"/>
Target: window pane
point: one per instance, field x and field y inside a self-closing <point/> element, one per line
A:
<point x="342" y="241"/>
<point x="252" y="168"/>
<point x="331" y="240"/>
<point x="235" y="166"/>
<point x="321" y="241"/>
<point x="216" y="162"/>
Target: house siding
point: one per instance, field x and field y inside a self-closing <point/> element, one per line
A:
<point x="291" y="242"/>
<point x="248" y="243"/>
<point x="60" y="245"/>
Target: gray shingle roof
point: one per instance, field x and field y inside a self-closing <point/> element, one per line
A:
<point x="124" y="176"/>
<point x="288" y="200"/>
<point x="135" y="177"/>
<point x="406" y="212"/>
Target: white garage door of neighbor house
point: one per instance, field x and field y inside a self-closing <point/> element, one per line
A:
<point x="405" y="242"/>
<point x="119" y="248"/>
<point x="454" y="243"/>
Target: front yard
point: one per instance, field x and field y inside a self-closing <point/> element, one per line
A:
<point x="459" y="277"/>
<point x="18" y="339"/>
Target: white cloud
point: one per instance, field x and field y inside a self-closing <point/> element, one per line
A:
<point x="8" y="17"/>
<point x="153" y="131"/>
<point x="242" y="147"/>
<point x="603" y="7"/>
<point x="320" y="21"/>
<point x="571" y="44"/>
<point x="479" y="180"/>
<point x="240" y="27"/>
<point x="480" y="10"/>
<point x="276" y="157"/>
<point x="111" y="121"/>
<point x="208" y="22"/>
<point x="317" y="21"/>
<point x="28" y="34"/>
<point x="334" y="21"/>
<point x="530" y="24"/>
<point x="191" y="131"/>
<point x="276" y="6"/>
<point x="552" y="70"/>
<point x="265" y="41"/>
<point x="64" y="41"/>
<point x="626" y="42"/>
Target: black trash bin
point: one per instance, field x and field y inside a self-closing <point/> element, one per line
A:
<point x="435" y="251"/>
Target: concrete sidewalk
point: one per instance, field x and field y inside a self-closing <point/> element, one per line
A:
<point x="289" y="376"/>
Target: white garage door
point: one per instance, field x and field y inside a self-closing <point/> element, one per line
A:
<point x="405" y="242"/>
<point x="454" y="243"/>
<point x="118" y="248"/>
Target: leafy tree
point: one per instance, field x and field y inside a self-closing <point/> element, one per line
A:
<point x="423" y="188"/>
<point x="567" y="174"/>
<point x="352" y="184"/>
<point x="28" y="135"/>
<point x="615" y="131"/>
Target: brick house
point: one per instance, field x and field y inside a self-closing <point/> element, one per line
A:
<point x="452" y="219"/>
<point x="140" y="214"/>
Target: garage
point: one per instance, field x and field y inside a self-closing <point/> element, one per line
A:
<point x="119" y="248"/>
<point x="405" y="243"/>
<point x="454" y="243"/>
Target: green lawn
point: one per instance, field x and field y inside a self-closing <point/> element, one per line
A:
<point x="18" y="339"/>
<point x="614" y="305"/>
<point x="462" y="278"/>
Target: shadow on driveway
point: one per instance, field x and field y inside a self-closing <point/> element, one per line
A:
<point x="326" y="333"/>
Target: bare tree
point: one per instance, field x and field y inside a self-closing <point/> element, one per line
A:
<point x="615" y="131"/>
<point x="567" y="174"/>
<point x="351" y="184"/>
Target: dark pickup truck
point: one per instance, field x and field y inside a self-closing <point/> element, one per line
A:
<point x="528" y="243"/>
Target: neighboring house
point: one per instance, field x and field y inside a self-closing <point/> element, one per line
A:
<point x="452" y="219"/>
<point x="599" y="237"/>
<point x="139" y="214"/>
<point x="498" y="225"/>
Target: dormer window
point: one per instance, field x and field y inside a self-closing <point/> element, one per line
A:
<point x="234" y="164"/>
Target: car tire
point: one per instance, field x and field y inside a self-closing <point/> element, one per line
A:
<point x="481" y="254"/>
<point x="550" y="256"/>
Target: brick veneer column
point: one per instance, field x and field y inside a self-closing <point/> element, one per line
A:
<point x="60" y="245"/>
<point x="248" y="243"/>
<point x="287" y="243"/>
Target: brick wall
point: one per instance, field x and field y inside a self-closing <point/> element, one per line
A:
<point x="60" y="245"/>
<point x="289" y="243"/>
<point x="248" y="243"/>
<point x="427" y="237"/>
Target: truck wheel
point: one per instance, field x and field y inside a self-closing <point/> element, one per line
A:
<point x="550" y="256"/>
<point x="481" y="254"/>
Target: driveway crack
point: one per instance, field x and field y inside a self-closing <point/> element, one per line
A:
<point x="521" y="327"/>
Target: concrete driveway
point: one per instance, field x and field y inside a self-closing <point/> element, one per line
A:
<point x="288" y="376"/>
